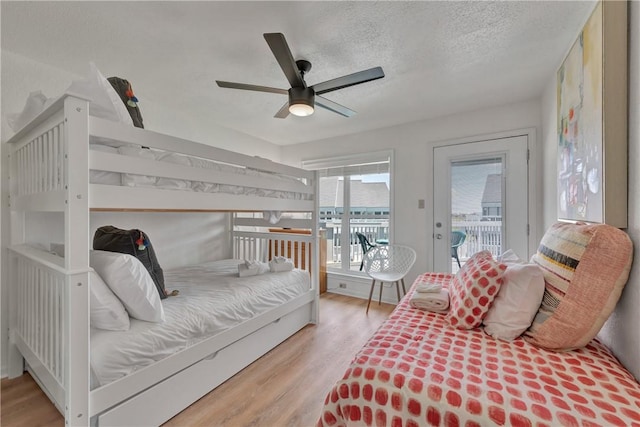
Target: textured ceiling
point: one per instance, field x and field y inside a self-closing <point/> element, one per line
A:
<point x="439" y="57"/>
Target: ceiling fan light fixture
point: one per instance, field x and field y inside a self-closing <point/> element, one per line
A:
<point x="301" y="101"/>
<point x="301" y="110"/>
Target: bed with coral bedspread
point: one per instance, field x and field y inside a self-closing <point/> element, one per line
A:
<point x="418" y="370"/>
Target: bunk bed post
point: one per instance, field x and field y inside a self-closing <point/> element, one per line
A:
<point x="315" y="260"/>
<point x="76" y="140"/>
<point x="232" y="227"/>
<point x="15" y="364"/>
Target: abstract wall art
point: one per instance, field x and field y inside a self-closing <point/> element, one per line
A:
<point x="592" y="120"/>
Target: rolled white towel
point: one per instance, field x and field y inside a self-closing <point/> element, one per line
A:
<point x="280" y="263"/>
<point x="272" y="216"/>
<point x="252" y="268"/>
<point x="427" y="287"/>
<point x="251" y="264"/>
<point x="431" y="301"/>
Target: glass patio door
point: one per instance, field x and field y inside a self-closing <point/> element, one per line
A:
<point x="480" y="200"/>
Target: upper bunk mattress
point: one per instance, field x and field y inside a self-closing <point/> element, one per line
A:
<point x="418" y="370"/>
<point x="212" y="299"/>
<point x="146" y="181"/>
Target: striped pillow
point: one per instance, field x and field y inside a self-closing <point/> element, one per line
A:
<point x="585" y="267"/>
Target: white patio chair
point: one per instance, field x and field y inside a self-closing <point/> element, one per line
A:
<point x="388" y="263"/>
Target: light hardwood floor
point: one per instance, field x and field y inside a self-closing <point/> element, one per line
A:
<point x="285" y="387"/>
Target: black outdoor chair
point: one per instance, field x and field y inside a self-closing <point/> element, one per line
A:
<point x="457" y="239"/>
<point x="366" y="246"/>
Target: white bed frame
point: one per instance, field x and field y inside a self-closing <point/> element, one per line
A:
<point x="49" y="295"/>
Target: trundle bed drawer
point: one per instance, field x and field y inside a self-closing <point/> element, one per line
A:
<point x="167" y="398"/>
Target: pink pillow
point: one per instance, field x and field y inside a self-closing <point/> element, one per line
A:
<point x="473" y="289"/>
<point x="585" y="268"/>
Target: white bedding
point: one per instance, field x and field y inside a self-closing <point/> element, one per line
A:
<point x="133" y="180"/>
<point x="212" y="299"/>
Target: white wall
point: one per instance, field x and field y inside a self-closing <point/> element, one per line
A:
<point x="178" y="238"/>
<point x="620" y="333"/>
<point x="413" y="179"/>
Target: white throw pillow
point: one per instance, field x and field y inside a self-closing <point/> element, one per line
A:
<point x="107" y="312"/>
<point x="36" y="103"/>
<point x="509" y="257"/>
<point x="130" y="281"/>
<point x="105" y="101"/>
<point x="517" y="302"/>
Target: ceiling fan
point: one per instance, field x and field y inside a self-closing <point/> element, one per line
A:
<point x="303" y="98"/>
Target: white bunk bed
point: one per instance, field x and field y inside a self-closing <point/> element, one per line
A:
<point x="50" y="163"/>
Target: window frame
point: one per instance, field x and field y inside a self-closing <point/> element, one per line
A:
<point x="349" y="162"/>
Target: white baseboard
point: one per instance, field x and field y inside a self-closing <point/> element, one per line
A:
<point x="359" y="287"/>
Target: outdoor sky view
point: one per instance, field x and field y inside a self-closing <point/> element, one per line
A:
<point x="374" y="177"/>
<point x="467" y="184"/>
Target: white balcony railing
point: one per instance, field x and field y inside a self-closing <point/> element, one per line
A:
<point x="480" y="235"/>
<point x="376" y="232"/>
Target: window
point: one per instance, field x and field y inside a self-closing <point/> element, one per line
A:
<point x="355" y="197"/>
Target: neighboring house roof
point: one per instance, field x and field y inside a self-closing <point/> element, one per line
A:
<point x="492" y="189"/>
<point x="363" y="194"/>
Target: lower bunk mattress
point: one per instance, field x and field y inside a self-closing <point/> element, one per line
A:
<point x="417" y="370"/>
<point x="212" y="298"/>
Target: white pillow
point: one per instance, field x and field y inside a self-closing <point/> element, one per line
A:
<point x="517" y="302"/>
<point x="36" y="103"/>
<point x="130" y="281"/>
<point x="509" y="257"/>
<point x="105" y="101"/>
<point x="107" y="312"/>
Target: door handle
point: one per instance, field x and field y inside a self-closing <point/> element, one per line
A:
<point x="438" y="236"/>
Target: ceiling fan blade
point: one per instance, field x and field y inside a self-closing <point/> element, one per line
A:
<point x="283" y="112"/>
<point x="349" y="80"/>
<point x="334" y="106"/>
<point x="281" y="51"/>
<point x="232" y="85"/>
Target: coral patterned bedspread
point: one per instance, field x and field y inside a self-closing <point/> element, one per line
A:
<point x="417" y="370"/>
